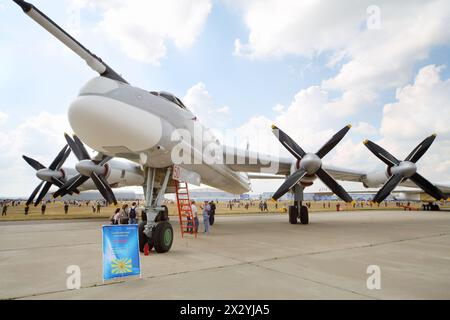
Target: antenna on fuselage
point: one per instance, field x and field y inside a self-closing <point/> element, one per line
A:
<point x="91" y="59"/>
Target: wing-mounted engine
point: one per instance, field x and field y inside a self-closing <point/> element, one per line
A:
<point x="399" y="171"/>
<point x="53" y="175"/>
<point x="309" y="165"/>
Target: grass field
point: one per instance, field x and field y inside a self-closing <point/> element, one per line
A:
<point x="55" y="211"/>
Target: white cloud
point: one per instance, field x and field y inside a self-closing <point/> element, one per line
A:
<point x="371" y="60"/>
<point x="142" y="27"/>
<point x="40" y="137"/>
<point x="364" y="128"/>
<point x="3" y="118"/>
<point x="200" y="102"/>
<point x="421" y="108"/>
<point x="278" y="108"/>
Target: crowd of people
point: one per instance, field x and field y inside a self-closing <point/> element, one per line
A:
<point x="125" y="214"/>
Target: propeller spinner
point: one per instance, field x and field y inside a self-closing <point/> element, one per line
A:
<point x="402" y="170"/>
<point x="310" y="163"/>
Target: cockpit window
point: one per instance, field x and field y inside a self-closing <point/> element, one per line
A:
<point x="170" y="97"/>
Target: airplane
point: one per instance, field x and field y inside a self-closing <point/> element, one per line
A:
<point x="160" y="130"/>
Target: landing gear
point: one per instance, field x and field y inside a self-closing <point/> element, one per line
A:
<point x="304" y="216"/>
<point x="294" y="212"/>
<point x="155" y="230"/>
<point x="163" y="237"/>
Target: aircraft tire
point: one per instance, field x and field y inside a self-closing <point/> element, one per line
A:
<point x="304" y="216"/>
<point x="293" y="215"/>
<point x="163" y="237"/>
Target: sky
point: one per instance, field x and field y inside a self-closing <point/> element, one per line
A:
<point x="310" y="67"/>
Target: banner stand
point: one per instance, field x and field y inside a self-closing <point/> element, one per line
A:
<point x="120" y="252"/>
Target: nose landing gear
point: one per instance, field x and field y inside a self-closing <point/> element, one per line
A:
<point x="295" y="214"/>
<point x="156" y="230"/>
<point x="298" y="211"/>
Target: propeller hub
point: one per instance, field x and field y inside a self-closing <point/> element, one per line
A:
<point x="86" y="167"/>
<point x="47" y="174"/>
<point x="310" y="163"/>
<point x="405" y="168"/>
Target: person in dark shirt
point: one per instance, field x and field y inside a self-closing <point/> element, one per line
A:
<point x="212" y="212"/>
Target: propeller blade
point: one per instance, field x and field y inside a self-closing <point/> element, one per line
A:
<point x="34" y="163"/>
<point x="33" y="194"/>
<point x="333" y="185"/>
<point x="387" y="188"/>
<point x="104" y="188"/>
<point x="381" y="154"/>
<point x="44" y="191"/>
<point x="57" y="182"/>
<point x="420" y="150"/>
<point x="70" y="185"/>
<point x="288" y="143"/>
<point x="81" y="147"/>
<point x="427" y="186"/>
<point x="289" y="183"/>
<point x="327" y="147"/>
<point x="58" y="158"/>
<point x="105" y="160"/>
<point x="64" y="158"/>
<point x="73" y="146"/>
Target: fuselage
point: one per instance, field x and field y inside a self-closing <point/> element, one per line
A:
<point x="120" y="120"/>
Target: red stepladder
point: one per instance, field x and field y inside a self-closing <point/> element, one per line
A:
<point x="187" y="221"/>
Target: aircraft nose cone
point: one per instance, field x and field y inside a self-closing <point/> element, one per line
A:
<point x="311" y="163"/>
<point x="113" y="126"/>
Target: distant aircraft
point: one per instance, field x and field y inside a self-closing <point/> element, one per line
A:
<point x="119" y="120"/>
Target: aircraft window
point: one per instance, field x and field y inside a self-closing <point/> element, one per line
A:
<point x="172" y="98"/>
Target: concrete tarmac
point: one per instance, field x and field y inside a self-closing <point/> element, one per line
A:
<point x="245" y="257"/>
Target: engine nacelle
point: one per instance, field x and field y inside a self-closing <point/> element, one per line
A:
<point x="308" y="179"/>
<point x="377" y="178"/>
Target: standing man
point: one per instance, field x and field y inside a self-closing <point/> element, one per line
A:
<point x="98" y="206"/>
<point x="43" y="207"/>
<point x="195" y="215"/>
<point x="5" y="208"/>
<point x="66" y="207"/>
<point x="27" y="209"/>
<point x="212" y="212"/>
<point x="206" y="211"/>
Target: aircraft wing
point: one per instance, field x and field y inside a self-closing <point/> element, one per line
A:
<point x="263" y="166"/>
<point x="444" y="187"/>
<point x="249" y="161"/>
<point x="344" y="174"/>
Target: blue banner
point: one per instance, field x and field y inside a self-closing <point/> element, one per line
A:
<point x="120" y="251"/>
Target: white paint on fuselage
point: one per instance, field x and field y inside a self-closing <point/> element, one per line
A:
<point x="136" y="121"/>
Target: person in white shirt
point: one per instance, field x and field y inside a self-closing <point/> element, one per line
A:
<point x="195" y="214"/>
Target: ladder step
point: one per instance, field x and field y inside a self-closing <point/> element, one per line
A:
<point x="185" y="209"/>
